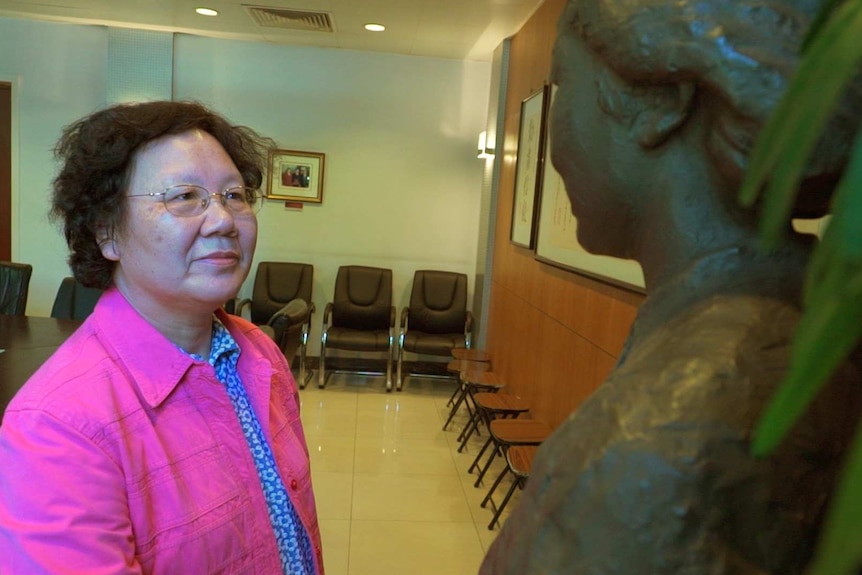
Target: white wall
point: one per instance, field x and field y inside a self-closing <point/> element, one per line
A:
<point x="402" y="186"/>
<point x="58" y="75"/>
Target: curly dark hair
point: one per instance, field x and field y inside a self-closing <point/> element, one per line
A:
<point x="97" y="152"/>
<point x="740" y="55"/>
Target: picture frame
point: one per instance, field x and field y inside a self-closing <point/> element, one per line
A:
<point x="557" y="241"/>
<point x="528" y="169"/>
<point x="296" y="176"/>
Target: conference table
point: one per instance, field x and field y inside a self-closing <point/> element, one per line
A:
<point x="26" y="343"/>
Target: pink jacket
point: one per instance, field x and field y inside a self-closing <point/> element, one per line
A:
<point x="123" y="455"/>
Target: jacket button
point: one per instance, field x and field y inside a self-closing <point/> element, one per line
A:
<point x="294" y="484"/>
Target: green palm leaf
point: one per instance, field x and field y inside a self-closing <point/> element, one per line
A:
<point x="789" y="137"/>
<point x="825" y="336"/>
<point x="832" y="320"/>
<point x="832" y="323"/>
<point x="828" y="7"/>
<point x="840" y="549"/>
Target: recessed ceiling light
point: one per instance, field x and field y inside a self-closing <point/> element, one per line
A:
<point x="375" y="27"/>
<point x="206" y="11"/>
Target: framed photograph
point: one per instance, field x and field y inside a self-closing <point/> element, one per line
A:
<point x="557" y="241"/>
<point x="295" y="176"/>
<point x="531" y="140"/>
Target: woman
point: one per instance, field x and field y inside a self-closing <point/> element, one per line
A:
<point x="657" y="107"/>
<point x="164" y="435"/>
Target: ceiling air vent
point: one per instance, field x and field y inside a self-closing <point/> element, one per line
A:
<point x="291" y="19"/>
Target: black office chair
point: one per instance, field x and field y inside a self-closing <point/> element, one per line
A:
<point x="14" y="287"/>
<point x="360" y="317"/>
<point x="437" y="320"/>
<point x="74" y="301"/>
<point x="272" y="306"/>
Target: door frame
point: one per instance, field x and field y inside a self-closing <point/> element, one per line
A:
<point x="5" y="171"/>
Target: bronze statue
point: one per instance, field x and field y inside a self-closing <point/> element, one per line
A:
<point x="658" y="105"/>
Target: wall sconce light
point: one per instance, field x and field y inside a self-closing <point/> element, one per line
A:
<point x="484" y="150"/>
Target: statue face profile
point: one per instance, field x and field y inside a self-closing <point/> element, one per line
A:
<point x="658" y="106"/>
<point x="598" y="160"/>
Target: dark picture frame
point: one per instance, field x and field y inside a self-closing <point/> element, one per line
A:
<point x="296" y="176"/>
<point x="528" y="169"/>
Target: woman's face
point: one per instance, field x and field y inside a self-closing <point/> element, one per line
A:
<point x="593" y="152"/>
<point x="177" y="265"/>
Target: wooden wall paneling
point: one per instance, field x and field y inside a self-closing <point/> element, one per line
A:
<point x="543" y="361"/>
<point x="577" y="369"/>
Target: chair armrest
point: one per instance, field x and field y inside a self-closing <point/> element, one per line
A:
<point x="392" y="313"/>
<point x="405" y="314"/>
<point x="240" y="305"/>
<point x="311" y="310"/>
<point x="327" y="313"/>
<point x="295" y="311"/>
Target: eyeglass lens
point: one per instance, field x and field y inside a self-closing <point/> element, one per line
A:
<point x="189" y="200"/>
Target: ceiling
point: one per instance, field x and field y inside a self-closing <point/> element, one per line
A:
<point x="454" y="29"/>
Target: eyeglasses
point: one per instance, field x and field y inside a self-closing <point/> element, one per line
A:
<point x="188" y="200"/>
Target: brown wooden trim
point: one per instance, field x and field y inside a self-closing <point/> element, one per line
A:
<point x="5" y="171"/>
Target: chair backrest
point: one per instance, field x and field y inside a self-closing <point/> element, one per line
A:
<point x="14" y="287"/>
<point x="438" y="302"/>
<point x="363" y="298"/>
<point x="277" y="283"/>
<point x="74" y="301"/>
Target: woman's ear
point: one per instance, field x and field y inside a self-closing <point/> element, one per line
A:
<point x="664" y="109"/>
<point x="107" y="243"/>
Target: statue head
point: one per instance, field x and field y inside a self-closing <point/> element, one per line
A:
<point x="634" y="76"/>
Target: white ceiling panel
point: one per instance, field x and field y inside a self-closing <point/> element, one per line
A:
<point x="454" y="29"/>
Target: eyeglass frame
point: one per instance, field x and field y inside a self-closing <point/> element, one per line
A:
<point x="255" y="207"/>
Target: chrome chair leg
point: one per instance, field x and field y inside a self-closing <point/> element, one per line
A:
<point x="389" y="362"/>
<point x="303" y="376"/>
<point x="398" y="373"/>
<point x="321" y="370"/>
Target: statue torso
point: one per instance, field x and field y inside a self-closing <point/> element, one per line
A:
<point x="653" y="473"/>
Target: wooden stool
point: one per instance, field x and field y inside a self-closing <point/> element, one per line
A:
<point x="519" y="461"/>
<point x="473" y="382"/>
<point x="489" y="406"/>
<point x="461" y="365"/>
<point x="471" y="354"/>
<point x="505" y="433"/>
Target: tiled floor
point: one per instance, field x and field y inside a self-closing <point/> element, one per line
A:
<point x="393" y="494"/>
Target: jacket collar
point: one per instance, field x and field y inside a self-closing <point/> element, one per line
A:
<point x="153" y="362"/>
